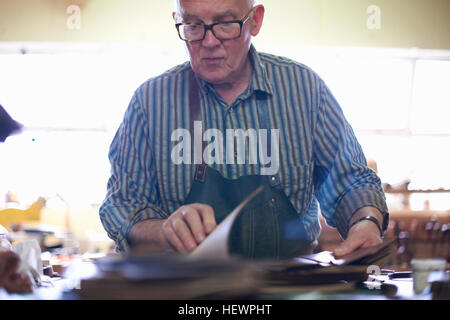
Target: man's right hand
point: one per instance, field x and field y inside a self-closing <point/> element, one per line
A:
<point x="183" y="231"/>
<point x="187" y="227"/>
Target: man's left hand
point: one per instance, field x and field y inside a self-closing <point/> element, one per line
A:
<point x="362" y="235"/>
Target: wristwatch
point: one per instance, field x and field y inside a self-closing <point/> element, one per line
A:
<point x="369" y="218"/>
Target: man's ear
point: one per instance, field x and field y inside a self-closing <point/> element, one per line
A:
<point x="257" y="19"/>
<point x="174" y="16"/>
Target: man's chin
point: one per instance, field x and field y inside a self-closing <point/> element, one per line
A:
<point x="213" y="78"/>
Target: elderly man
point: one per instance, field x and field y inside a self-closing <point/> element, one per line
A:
<point x="166" y="194"/>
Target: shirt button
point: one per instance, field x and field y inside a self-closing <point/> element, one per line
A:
<point x="273" y="200"/>
<point x="273" y="178"/>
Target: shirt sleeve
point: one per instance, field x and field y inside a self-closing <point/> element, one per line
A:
<point x="343" y="182"/>
<point x="131" y="190"/>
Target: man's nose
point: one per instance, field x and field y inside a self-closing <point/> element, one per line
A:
<point x="210" y="39"/>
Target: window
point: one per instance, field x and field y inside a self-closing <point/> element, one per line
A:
<point x="431" y="102"/>
<point x="72" y="101"/>
<point x="397" y="102"/>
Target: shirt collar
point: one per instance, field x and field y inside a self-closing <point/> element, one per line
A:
<point x="259" y="80"/>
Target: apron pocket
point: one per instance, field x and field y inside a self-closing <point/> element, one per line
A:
<point x="255" y="234"/>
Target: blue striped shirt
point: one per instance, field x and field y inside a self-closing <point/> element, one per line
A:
<point x="321" y="161"/>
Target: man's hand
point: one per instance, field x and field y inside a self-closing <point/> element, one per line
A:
<point x="187" y="227"/>
<point x="363" y="234"/>
<point x="183" y="231"/>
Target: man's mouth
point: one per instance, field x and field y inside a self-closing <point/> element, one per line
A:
<point x="212" y="60"/>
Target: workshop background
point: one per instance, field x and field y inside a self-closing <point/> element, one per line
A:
<point x="68" y="69"/>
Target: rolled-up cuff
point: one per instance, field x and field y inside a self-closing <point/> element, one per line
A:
<point x="122" y="243"/>
<point x="355" y="200"/>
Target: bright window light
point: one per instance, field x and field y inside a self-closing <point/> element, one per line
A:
<point x="72" y="90"/>
<point x="374" y="93"/>
<point x="72" y="103"/>
<point x="431" y="101"/>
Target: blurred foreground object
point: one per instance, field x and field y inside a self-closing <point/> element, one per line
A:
<point x="8" y="125"/>
<point x="164" y="277"/>
<point x="5" y="242"/>
<point x="440" y="285"/>
<point x="10" y="278"/>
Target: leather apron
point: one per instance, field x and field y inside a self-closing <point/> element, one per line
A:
<point x="269" y="227"/>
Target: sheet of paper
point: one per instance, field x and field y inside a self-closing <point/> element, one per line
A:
<point x="215" y="246"/>
<point x="360" y="256"/>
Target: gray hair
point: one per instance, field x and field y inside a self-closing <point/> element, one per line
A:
<point x="250" y="3"/>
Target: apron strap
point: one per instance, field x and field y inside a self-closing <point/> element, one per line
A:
<point x="264" y="120"/>
<point x="196" y="115"/>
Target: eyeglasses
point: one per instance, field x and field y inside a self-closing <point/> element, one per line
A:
<point x="227" y="30"/>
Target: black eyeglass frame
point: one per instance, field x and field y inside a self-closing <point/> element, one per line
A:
<point x="207" y="27"/>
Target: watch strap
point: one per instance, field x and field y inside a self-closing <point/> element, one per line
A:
<point x="369" y="218"/>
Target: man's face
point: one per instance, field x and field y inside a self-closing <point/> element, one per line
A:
<point x="218" y="61"/>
